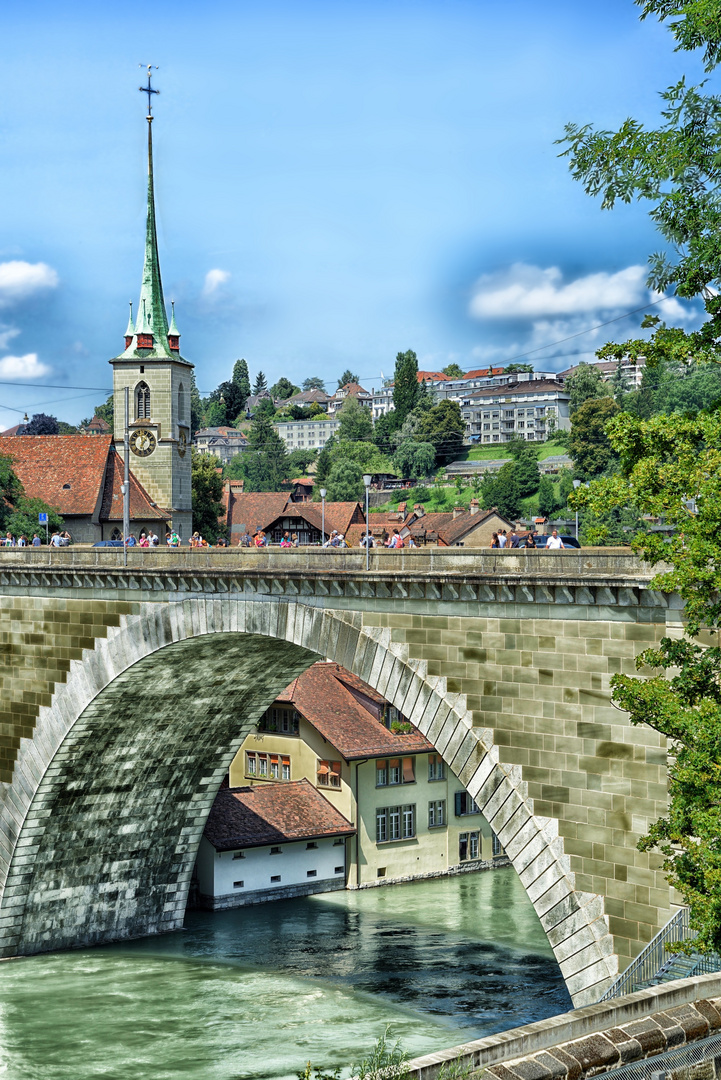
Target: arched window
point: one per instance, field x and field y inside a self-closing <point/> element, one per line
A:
<point x="142" y="401"/>
<point x="181" y="404"/>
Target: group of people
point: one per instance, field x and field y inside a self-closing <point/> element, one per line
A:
<point x="504" y="539"/>
<point x="58" y="539"/>
<point x="394" y="541"/>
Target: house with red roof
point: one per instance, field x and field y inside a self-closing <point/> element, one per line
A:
<point x="270" y="842"/>
<point x="413" y="817"/>
<point x="278" y="512"/>
<point x="81" y="476"/>
<point x="350" y="390"/>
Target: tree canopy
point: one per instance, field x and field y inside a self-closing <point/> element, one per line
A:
<point x="313" y="383"/>
<point x="241" y="379"/>
<point x="283" y="389"/>
<point x="589" y="445"/>
<point x="585" y="384"/>
<point x="406" y="387"/>
<point x="260" y="383"/>
<point x="453" y="371"/>
<point x="355" y="421"/>
<point x="345" y="482"/>
<point x="207" y="490"/>
<point x="41" y="424"/>
<point x="348" y="377"/>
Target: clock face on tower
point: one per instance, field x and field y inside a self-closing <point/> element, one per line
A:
<point x="142" y="442"/>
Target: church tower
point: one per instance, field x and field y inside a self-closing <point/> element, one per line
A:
<point x="159" y="381"/>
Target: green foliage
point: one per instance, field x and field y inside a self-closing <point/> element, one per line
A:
<point x="616" y="527"/>
<point x="229" y="397"/>
<point x="355" y="420"/>
<point x="387" y="1061"/>
<point x="196" y="406"/>
<point x="216" y="414"/>
<point x="384" y="429"/>
<point x="260" y="383"/>
<point x="241" y="379"/>
<point x="548" y="504"/>
<point x="299" y="460"/>
<point x="345" y="482"/>
<point x="453" y="371"/>
<point x="41" y="424"/>
<point x="589" y="445"/>
<point x="10" y="488"/>
<point x="503" y="491"/>
<point x="512" y="369"/>
<point x="265" y="461"/>
<point x="443" y="427"/>
<point x="313" y="383"/>
<point x="107" y="411"/>
<point x="565" y="487"/>
<point x="325" y="462"/>
<point x="283" y="389"/>
<point x="585" y="385"/>
<point x="23" y="520"/>
<point x="207" y="491"/>
<point x="406" y="387"/>
<point x="527" y="473"/>
<point x="347" y="377"/>
<point x="265" y="408"/>
<point x="66" y="429"/>
<point x="413" y="459"/>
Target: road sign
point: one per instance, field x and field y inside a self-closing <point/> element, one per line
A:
<point x="42" y="519"/>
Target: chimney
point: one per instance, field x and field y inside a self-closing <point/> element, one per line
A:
<point x="457" y="511"/>
<point x="419" y="510"/>
<point x="474" y="507"/>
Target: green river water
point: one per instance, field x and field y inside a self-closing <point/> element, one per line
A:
<point x="259" y="991"/>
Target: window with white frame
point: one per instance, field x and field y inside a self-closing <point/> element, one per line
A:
<point x="329" y="773"/>
<point x="395" y="771"/>
<point x="436" y="813"/>
<point x="469" y="846"/>
<point x="465" y="804"/>
<point x="436" y="770"/>
<point x="395" y="823"/>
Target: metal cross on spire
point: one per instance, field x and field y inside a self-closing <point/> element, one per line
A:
<point x="149" y="89"/>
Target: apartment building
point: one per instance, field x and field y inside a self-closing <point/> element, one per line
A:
<point x="528" y="410"/>
<point x="412" y="817"/>
<point x="223" y="442"/>
<point x="306" y="434"/>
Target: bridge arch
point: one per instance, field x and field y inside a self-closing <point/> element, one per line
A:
<point x="100" y="826"/>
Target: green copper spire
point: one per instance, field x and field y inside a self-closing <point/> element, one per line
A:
<point x="130" y="329"/>
<point x="173" y="329"/>
<point x="152" y="317"/>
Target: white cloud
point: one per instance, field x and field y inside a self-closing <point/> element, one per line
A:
<point x="23" y="367"/>
<point x="7" y="333"/>
<point x="213" y="280"/>
<point x="19" y="280"/>
<point x="530" y="292"/>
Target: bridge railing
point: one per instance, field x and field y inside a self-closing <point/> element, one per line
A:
<point x="568" y="563"/>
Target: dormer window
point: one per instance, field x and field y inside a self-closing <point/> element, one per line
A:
<point x="174" y="342"/>
<point x="145" y="341"/>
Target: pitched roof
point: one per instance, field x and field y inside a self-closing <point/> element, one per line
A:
<point x="65" y="471"/>
<point x="435" y="376"/>
<point x="141" y="505"/>
<point x="306" y="397"/>
<point x="338" y="515"/>
<point x="272" y="813"/>
<point x="465" y="523"/>
<point x="253" y="510"/>
<point x="11" y="431"/>
<point x="327" y="696"/>
<point x="430" y="523"/>
<point x="352" y="389"/>
<point x="482" y="373"/>
<point x="540" y="386"/>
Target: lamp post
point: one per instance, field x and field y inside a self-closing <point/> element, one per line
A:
<point x="125" y="486"/>
<point x="323" y="494"/>
<point x="367" y="481"/>
<point x="577" y="484"/>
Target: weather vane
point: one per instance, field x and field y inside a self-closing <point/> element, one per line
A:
<point x="149" y="89"/>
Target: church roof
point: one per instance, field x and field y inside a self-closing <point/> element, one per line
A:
<point x="141" y="505"/>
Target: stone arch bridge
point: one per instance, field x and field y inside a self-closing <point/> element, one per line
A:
<point x="126" y="691"/>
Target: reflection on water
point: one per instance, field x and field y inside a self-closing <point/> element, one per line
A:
<point x="257" y="992"/>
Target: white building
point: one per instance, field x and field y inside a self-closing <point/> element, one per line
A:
<point x="344" y="392"/>
<point x="223" y="442"/>
<point x="306" y="434"/>
<point x="632" y="373"/>
<point x="270" y="842"/>
<point x="528" y="410"/>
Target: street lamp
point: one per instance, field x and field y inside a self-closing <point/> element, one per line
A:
<point x="577" y="484"/>
<point x="367" y="481"/>
<point x="323" y="494"/>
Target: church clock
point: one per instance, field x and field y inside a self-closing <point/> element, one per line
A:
<point x="142" y="442"/>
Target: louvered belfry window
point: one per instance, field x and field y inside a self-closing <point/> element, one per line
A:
<point x="142" y="401"/>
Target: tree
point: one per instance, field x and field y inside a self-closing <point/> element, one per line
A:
<point x="11" y="488"/>
<point x="265" y="408"/>
<point x="23" y="520"/>
<point x="230" y="396"/>
<point x="347" y="377"/>
<point x="207" y="493"/>
<point x="414" y="459"/>
<point x="443" y="427"/>
<point x="618" y="385"/>
<point x="216" y="414"/>
<point x="528" y="476"/>
<point x="354" y="421"/>
<point x="585" y="385"/>
<point x="107" y="411"/>
<point x="41" y="424"/>
<point x="313" y="383"/>
<point x="405" y="384"/>
<point x="241" y="379"/>
<point x="283" y="389"/>
<point x="453" y="371"/>
<point x="66" y="429"/>
<point x="383" y="429"/>
<point x="565" y="487"/>
<point x="196" y="406"/>
<point x="547" y="501"/>
<point x="513" y="369"/>
<point x="502" y="491"/>
<point x="324" y="464"/>
<point x="260" y="384"/>
<point x="345" y="482"/>
<point x="299" y="460"/>
<point x="589" y="446"/>
<point x="265" y="459"/>
<point x="616" y="527"/>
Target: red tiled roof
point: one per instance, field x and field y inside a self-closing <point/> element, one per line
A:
<point x="539" y="386"/>
<point x="65" y="471"/>
<point x="481" y="373"/>
<point x="327" y="696"/>
<point x="272" y="814"/>
<point x="11" y="431"/>
<point x="338" y="515"/>
<point x="436" y="376"/>
<point x="141" y="505"/>
<point x="352" y="389"/>
<point x="306" y="481"/>
<point x="253" y="510"/>
<point x="464" y="523"/>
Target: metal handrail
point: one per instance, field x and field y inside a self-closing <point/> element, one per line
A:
<point x="651" y="961"/>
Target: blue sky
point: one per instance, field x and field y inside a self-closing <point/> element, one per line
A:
<point x="336" y="181"/>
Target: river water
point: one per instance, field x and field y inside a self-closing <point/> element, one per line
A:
<point x="259" y="991"/>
